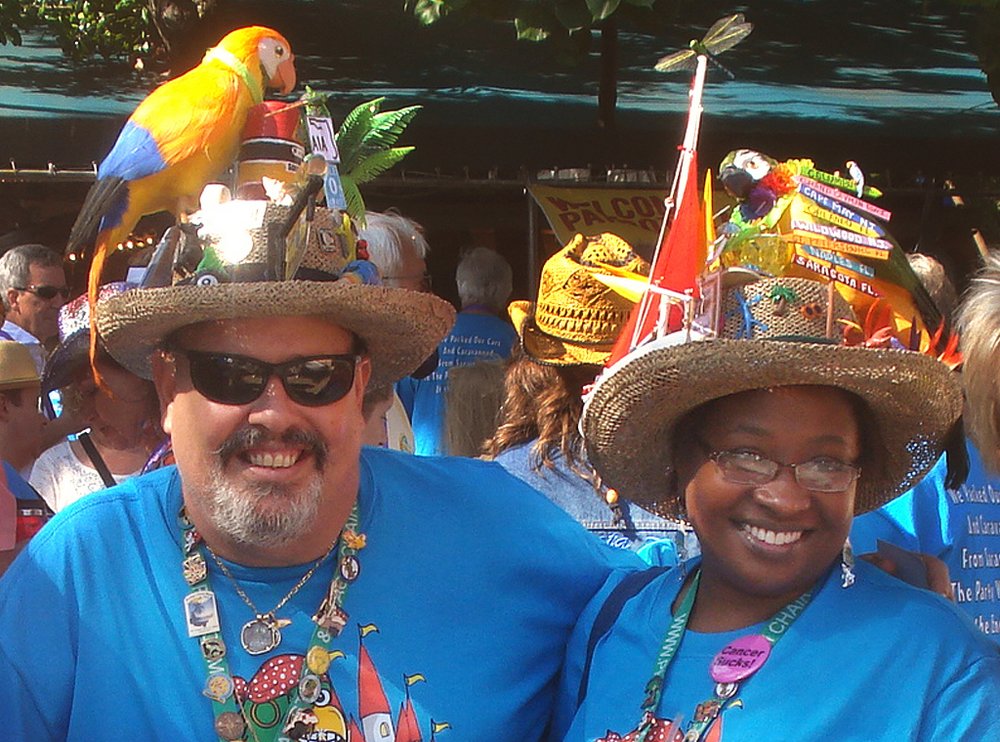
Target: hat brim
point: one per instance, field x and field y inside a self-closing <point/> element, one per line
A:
<point x="549" y="349"/>
<point x="630" y="417"/>
<point x="399" y="327"/>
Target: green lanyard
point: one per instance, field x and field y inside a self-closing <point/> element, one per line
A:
<point x="202" y="618"/>
<point x="230" y="60"/>
<point x="773" y="630"/>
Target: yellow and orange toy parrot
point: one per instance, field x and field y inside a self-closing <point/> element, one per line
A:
<point x="182" y="136"/>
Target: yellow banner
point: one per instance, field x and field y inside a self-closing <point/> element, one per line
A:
<point x="633" y="214"/>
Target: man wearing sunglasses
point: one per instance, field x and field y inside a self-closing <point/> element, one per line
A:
<point x="33" y="287"/>
<point x="282" y="582"/>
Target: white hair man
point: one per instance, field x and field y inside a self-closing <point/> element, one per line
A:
<point x="33" y="287"/>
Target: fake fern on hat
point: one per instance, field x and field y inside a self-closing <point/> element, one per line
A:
<point x="366" y="141"/>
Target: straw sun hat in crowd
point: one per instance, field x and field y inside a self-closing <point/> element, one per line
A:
<point x="17" y="368"/>
<point x="773" y="332"/>
<point x="577" y="317"/>
<point x="242" y="265"/>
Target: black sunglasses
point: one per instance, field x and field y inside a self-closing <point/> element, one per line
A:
<point x="235" y="380"/>
<point x="45" y="292"/>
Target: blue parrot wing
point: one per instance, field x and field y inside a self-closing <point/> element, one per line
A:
<point x="135" y="155"/>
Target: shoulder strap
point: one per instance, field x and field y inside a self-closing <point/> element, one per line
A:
<point x="96" y="459"/>
<point x="624" y="591"/>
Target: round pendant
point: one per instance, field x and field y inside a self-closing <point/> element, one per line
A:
<point x="260" y="635"/>
<point x="725" y="691"/>
<point x="230" y="725"/>
<point x="350" y="568"/>
<point x="740" y="659"/>
<point x="309" y="688"/>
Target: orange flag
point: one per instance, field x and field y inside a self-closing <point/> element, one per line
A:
<point x="680" y="261"/>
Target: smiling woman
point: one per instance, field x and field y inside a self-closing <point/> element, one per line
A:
<point x="768" y="436"/>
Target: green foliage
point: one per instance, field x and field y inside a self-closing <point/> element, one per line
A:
<point x="601" y="9"/>
<point x="121" y="29"/>
<point x="366" y="140"/>
<point x="353" y="129"/>
<point x="534" y="20"/>
<point x="355" y="203"/>
<point x="374" y="165"/>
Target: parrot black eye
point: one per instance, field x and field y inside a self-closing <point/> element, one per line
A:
<point x="279" y="50"/>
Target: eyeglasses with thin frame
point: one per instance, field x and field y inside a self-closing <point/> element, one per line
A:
<point x="231" y="379"/>
<point x="821" y="474"/>
<point x="45" y="292"/>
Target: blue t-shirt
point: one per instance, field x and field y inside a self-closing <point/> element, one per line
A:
<point x="880" y="660"/>
<point x="470" y="584"/>
<point x="657" y="540"/>
<point x="474" y="337"/>
<point x="961" y="527"/>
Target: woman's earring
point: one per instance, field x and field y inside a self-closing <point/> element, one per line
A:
<point x="847" y="565"/>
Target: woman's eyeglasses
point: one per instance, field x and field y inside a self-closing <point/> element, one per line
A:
<point x="236" y="380"/>
<point x="821" y="474"/>
<point x="46" y="292"/>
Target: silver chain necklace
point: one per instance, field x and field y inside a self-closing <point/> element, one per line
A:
<point x="262" y="633"/>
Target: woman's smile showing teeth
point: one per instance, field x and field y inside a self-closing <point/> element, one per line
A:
<point x="771" y="538"/>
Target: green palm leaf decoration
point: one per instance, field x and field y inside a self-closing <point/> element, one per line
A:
<point x="366" y="142"/>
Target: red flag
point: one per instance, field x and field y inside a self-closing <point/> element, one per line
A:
<point x="680" y="261"/>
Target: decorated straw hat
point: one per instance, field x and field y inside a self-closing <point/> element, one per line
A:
<point x="265" y="259"/>
<point x="774" y="332"/>
<point x="70" y="356"/>
<point x="577" y="317"/>
<point x="17" y="368"/>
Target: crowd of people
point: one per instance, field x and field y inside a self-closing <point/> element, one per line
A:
<point x="294" y="577"/>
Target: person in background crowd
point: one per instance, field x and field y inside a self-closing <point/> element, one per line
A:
<point x="397" y="247"/>
<point x="484" y="280"/>
<point x="769" y="438"/>
<point x="123" y="414"/>
<point x="33" y="287"/>
<point x="20" y="438"/>
<point x="566" y="336"/>
<point x="472" y="405"/>
<point x="959" y="524"/>
<point x="285" y="580"/>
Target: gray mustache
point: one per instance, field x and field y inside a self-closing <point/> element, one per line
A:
<point x="252" y="436"/>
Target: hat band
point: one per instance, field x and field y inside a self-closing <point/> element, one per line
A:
<point x="587" y="325"/>
<point x="258" y="273"/>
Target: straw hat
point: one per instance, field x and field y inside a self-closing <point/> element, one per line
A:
<point x="17" y="369"/>
<point x="240" y="266"/>
<point x="772" y="334"/>
<point x="577" y="318"/>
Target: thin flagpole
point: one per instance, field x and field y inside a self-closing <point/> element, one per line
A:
<point x="676" y="196"/>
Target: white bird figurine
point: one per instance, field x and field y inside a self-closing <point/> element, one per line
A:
<point x="857" y="176"/>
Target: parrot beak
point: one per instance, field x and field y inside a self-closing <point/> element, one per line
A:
<point x="284" y="79"/>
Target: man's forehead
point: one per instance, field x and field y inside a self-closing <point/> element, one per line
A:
<point x="40" y="268"/>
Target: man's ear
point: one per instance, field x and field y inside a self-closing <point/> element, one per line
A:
<point x="5" y="404"/>
<point x="12" y="295"/>
<point x="363" y="375"/>
<point x="165" y="381"/>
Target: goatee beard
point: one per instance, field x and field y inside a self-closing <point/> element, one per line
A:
<point x="236" y="509"/>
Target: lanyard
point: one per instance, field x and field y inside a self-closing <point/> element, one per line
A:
<point x="202" y="618"/>
<point x="726" y="687"/>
